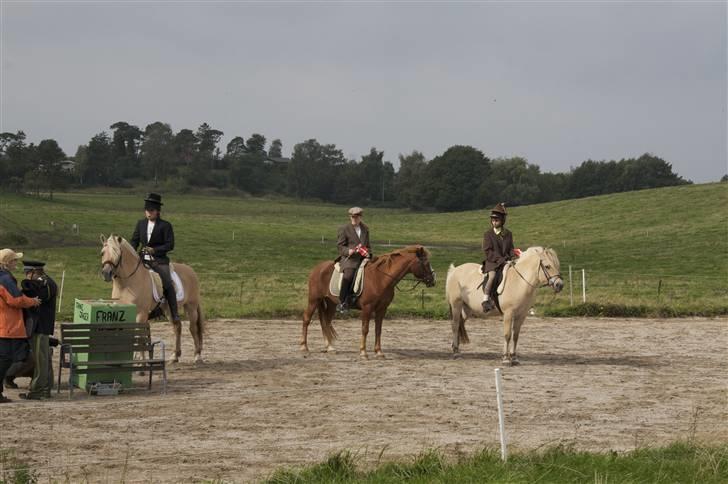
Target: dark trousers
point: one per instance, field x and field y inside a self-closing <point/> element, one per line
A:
<point x="11" y="350"/>
<point x="168" y="286"/>
<point x="346" y="279"/>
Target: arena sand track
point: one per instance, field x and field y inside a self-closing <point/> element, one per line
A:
<point x="258" y="404"/>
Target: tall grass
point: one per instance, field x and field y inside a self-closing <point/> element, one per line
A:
<point x="677" y="463"/>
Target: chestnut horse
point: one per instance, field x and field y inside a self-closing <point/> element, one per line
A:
<point x="381" y="275"/>
<point x="133" y="285"/>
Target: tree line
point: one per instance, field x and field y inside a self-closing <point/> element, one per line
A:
<point x="461" y="178"/>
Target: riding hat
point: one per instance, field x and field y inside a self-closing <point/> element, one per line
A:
<point x="499" y="211"/>
<point x="153" y="202"/>
<point x="32" y="265"/>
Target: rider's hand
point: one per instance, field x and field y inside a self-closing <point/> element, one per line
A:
<point x="351" y="251"/>
<point x="149" y="250"/>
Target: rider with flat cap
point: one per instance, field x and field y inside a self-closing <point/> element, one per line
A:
<point x="354" y="247"/>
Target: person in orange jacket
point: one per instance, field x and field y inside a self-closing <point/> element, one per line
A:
<point x="13" y="338"/>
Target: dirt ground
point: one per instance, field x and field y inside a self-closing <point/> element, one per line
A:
<point x="257" y="404"/>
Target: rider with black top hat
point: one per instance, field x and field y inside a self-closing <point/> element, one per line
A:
<point x="154" y="238"/>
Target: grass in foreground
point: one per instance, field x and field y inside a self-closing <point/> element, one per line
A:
<point x="680" y="462"/>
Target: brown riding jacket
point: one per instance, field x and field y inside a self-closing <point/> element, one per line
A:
<point x="498" y="249"/>
<point x="347" y="239"/>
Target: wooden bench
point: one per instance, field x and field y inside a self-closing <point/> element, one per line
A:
<point x="98" y="338"/>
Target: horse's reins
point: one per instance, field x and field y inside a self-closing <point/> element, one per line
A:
<point x="418" y="281"/>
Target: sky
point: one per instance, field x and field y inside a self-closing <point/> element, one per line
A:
<point x="554" y="82"/>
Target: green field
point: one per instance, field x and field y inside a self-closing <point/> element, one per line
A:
<point x="661" y="251"/>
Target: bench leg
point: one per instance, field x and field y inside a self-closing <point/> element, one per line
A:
<point x="60" y="370"/>
<point x="150" y="379"/>
<point x="164" y="378"/>
<point x="70" y="382"/>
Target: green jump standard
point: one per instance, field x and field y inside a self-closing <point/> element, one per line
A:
<point x="90" y="311"/>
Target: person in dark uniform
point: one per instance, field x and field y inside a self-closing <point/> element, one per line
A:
<point x="41" y="321"/>
<point x="498" y="249"/>
<point x="154" y="238"/>
<point x="354" y="247"/>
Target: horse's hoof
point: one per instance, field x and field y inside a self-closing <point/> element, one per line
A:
<point x="506" y="361"/>
<point x="380" y="354"/>
<point x="329" y="349"/>
<point x="457" y="355"/>
<point x="199" y="360"/>
<point x="363" y="355"/>
<point x="304" y="349"/>
<point x="514" y="361"/>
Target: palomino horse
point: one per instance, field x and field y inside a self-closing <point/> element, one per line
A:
<point x="133" y="285"/>
<point x="381" y="275"/>
<point x="537" y="267"/>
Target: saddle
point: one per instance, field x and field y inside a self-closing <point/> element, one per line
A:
<point x="158" y="291"/>
<point x="499" y="284"/>
<point x="337" y="276"/>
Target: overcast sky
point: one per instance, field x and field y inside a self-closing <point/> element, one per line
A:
<point x="554" y="82"/>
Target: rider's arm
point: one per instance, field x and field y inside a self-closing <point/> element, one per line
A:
<point x="492" y="254"/>
<point x="135" y="238"/>
<point x="168" y="244"/>
<point x="342" y="242"/>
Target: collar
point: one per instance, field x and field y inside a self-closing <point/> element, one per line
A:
<point x="498" y="231"/>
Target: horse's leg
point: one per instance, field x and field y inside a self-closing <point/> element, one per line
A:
<point x="517" y="322"/>
<point x="507" y="330"/>
<point x="195" y="330"/>
<point x="457" y="316"/>
<point x="307" y="315"/>
<point x="366" y="313"/>
<point x="378" y="320"/>
<point x="177" y="326"/>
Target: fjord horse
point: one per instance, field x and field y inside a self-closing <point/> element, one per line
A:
<point x="133" y="285"/>
<point x="381" y="275"/>
<point x="537" y="267"/>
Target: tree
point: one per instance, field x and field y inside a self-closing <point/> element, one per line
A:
<point x="313" y="169"/>
<point x="409" y="180"/>
<point x="452" y="179"/>
<point x="157" y="151"/>
<point x="511" y="180"/>
<point x="276" y="149"/>
<point x="256" y="143"/>
<point x="96" y="169"/>
<point x="126" y="139"/>
<point x="14" y="156"/>
<point x="50" y="170"/>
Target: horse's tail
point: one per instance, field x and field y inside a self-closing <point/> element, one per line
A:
<point x="463" y="333"/>
<point x="327" y="326"/>
<point x="201" y="320"/>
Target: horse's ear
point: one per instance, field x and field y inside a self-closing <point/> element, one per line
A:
<point x="118" y="238"/>
<point x="103" y="239"/>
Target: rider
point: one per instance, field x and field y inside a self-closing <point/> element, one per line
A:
<point x="498" y="248"/>
<point x="354" y="247"/>
<point x="156" y="238"/>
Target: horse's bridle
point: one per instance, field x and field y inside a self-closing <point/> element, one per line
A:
<point x="118" y="264"/>
<point x="430" y="278"/>
<point x="551" y="279"/>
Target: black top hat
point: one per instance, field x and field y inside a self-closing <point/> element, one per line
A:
<point x="153" y="202"/>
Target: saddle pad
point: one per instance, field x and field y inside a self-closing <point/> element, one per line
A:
<point x="337" y="276"/>
<point x="157" y="290"/>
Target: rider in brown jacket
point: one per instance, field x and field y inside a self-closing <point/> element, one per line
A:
<point x="354" y="247"/>
<point x="498" y="249"/>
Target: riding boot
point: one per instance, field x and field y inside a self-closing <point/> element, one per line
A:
<point x="169" y="292"/>
<point x="343" y="305"/>
<point x="488" y="303"/>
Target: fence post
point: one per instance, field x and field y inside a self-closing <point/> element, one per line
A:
<point x="60" y="293"/>
<point x="583" y="285"/>
<point x="571" y="289"/>
<point x="501" y="420"/>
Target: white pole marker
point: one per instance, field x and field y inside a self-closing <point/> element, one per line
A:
<point x="501" y="419"/>
<point x="60" y="294"/>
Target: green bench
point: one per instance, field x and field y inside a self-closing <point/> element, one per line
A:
<point x="105" y="341"/>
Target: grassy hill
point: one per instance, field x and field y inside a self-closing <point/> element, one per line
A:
<point x="253" y="255"/>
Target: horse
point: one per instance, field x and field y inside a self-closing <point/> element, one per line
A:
<point x="537" y="267"/>
<point x="133" y="285"/>
<point x="381" y="275"/>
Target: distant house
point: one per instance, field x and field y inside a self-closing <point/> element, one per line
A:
<point x="276" y="161"/>
<point x="68" y="165"/>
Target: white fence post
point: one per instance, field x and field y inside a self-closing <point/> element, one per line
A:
<point x="60" y="293"/>
<point x="501" y="420"/>
<point x="571" y="289"/>
<point x="583" y="285"/>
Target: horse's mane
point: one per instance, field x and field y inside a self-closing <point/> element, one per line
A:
<point x="386" y="259"/>
<point x="116" y="246"/>
<point x="548" y="251"/>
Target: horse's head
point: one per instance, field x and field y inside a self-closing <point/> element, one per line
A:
<point x="421" y="267"/>
<point x="110" y="255"/>
<point x="549" y="269"/>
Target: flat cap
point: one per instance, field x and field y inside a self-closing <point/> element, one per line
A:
<point x="9" y="255"/>
<point x="356" y="211"/>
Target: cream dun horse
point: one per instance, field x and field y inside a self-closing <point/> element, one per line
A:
<point x="133" y="285"/>
<point x="537" y="267"/>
